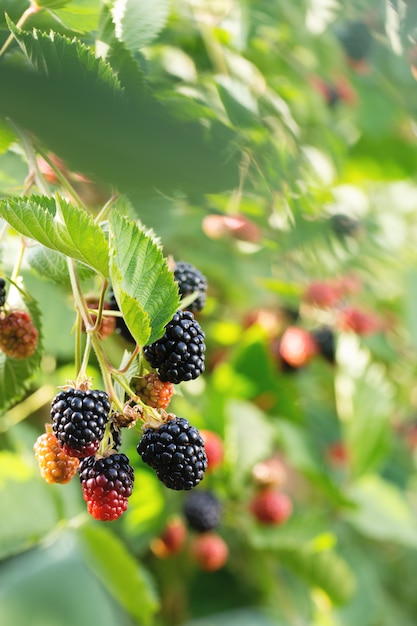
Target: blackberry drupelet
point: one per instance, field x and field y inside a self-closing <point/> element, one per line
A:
<point x="202" y="511"/>
<point x="2" y="292"/>
<point x="179" y="354"/>
<point x="106" y="484"/>
<point x="325" y="340"/>
<point x="176" y="452"/>
<point x="79" y="420"/>
<point x="190" y="279"/>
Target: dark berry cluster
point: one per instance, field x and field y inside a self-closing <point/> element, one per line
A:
<point x="79" y="420"/>
<point x="176" y="452"/>
<point x="106" y="484"/>
<point x="179" y="354"/>
<point x="325" y="340"/>
<point x="191" y="280"/>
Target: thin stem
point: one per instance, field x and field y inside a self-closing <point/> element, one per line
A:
<point x="78" y="333"/>
<point x="236" y="197"/>
<point x="18" y="263"/>
<point x="31" y="157"/>
<point x="78" y="297"/>
<point x="99" y="314"/>
<point x="82" y="372"/>
<point x="105" y="369"/>
<point x="132" y="357"/>
<point x="103" y="212"/>
<point x="62" y="179"/>
<point x="21" y="22"/>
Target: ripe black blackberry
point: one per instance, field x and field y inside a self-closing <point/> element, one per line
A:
<point x="179" y="354"/>
<point x="121" y="327"/>
<point x="344" y="226"/>
<point x="202" y="511"/>
<point x="106" y="484"/>
<point x="176" y="452"/>
<point x="325" y="340"/>
<point x="356" y="40"/>
<point x="189" y="280"/>
<point x="2" y="292"/>
<point x="79" y="420"/>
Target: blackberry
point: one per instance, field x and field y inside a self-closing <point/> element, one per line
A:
<point x="2" y="292"/>
<point x="176" y="452"/>
<point x="325" y="340"/>
<point x="153" y="391"/>
<point x="190" y="279"/>
<point x="55" y="466"/>
<point x="202" y="511"/>
<point x="18" y="335"/>
<point x="121" y="326"/>
<point x="344" y="226"/>
<point x="106" y="484"/>
<point x="179" y="354"/>
<point x="79" y="420"/>
<point x="356" y="40"/>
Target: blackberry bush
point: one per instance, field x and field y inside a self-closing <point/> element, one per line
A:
<point x="189" y="280"/>
<point x="175" y="451"/>
<point x="180" y="353"/>
<point x="79" y="420"/>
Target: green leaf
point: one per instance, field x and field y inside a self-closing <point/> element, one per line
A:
<point x="70" y="230"/>
<point x="29" y="502"/>
<point x="7" y="137"/>
<point x="57" y="56"/>
<point x="137" y="22"/>
<point x="299" y="530"/>
<point x="52" y="265"/>
<point x="326" y="570"/>
<point x="243" y="449"/>
<point x="32" y="590"/>
<point x="382" y="512"/>
<point x="243" y="617"/>
<point x="79" y="15"/>
<point x="142" y="282"/>
<point x="106" y="555"/>
<point x="16" y="374"/>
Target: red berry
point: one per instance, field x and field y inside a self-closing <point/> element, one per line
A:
<point x="172" y="539"/>
<point x="210" y="551"/>
<point x="297" y="346"/>
<point x="18" y="335"/>
<point x="153" y="392"/>
<point x="106" y="484"/>
<point x="271" y="507"/>
<point x="235" y="226"/>
<point x="108" y="322"/>
<point x="360" y="322"/>
<point x="270" y="473"/>
<point x="322" y="294"/>
<point x="338" y="454"/>
<point x="213" y="446"/>
<point x="55" y="466"/>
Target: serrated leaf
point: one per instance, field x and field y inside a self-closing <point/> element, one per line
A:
<point x="137" y="22"/>
<point x="57" y="56"/>
<point x="136" y="318"/>
<point x="140" y="273"/>
<point x="16" y="374"/>
<point x="119" y="572"/>
<point x="71" y="231"/>
<point x="326" y="570"/>
<point x="52" y="265"/>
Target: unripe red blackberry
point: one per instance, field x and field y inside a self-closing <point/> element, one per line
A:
<point x="189" y="280"/>
<point x="79" y="420"/>
<point x="106" y="484"/>
<point x="359" y="321"/>
<point x="213" y="445"/>
<point x="108" y="322"/>
<point x="176" y="452"/>
<point x="179" y="354"/>
<point x="210" y="551"/>
<point x="269" y="473"/>
<point x="2" y="292"/>
<point x="203" y="511"/>
<point x="271" y="507"/>
<point x="172" y="539"/>
<point x="18" y="335"/>
<point x="322" y="294"/>
<point x="55" y="466"/>
<point x="153" y="392"/>
<point x="297" y="347"/>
